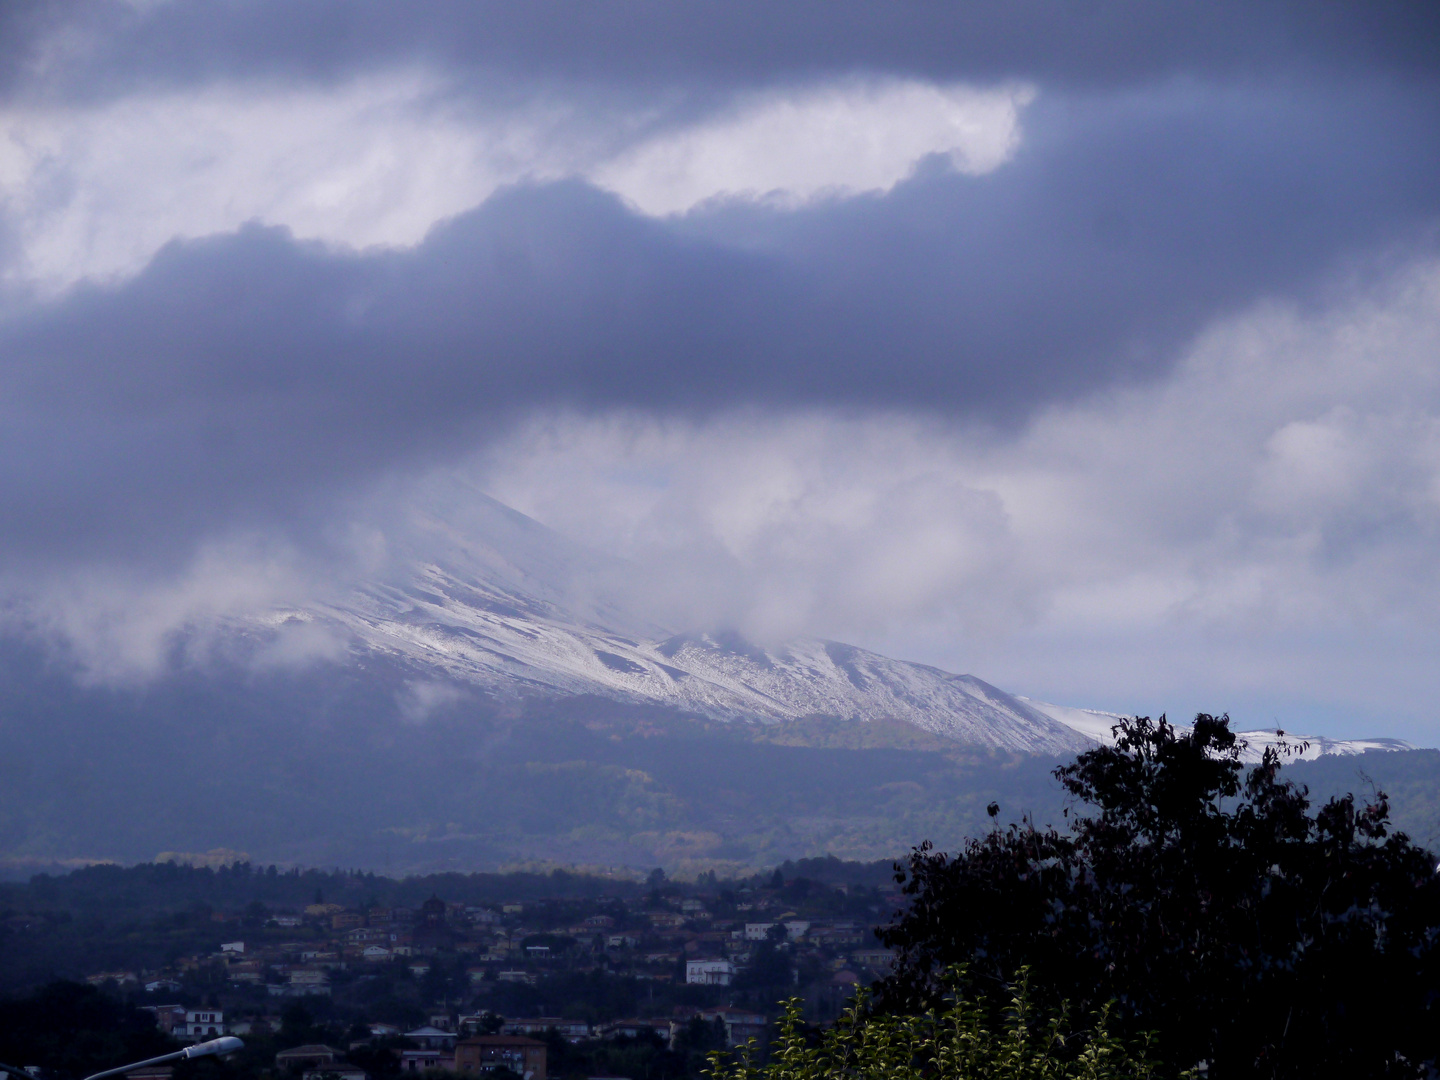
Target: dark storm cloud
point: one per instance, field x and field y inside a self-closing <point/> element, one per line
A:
<point x="240" y="377"/>
<point x="100" y="48"/>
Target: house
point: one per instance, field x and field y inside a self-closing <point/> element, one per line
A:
<point x="302" y="990"/>
<point x="232" y="946"/>
<point x="473" y="1023"/>
<point x="636" y="1029"/>
<point x="303" y="982"/>
<point x="874" y="959"/>
<point x="304" y="976"/>
<point x="709" y="972"/>
<point x="120" y="978"/>
<point x="255" y="1025"/>
<point x="286" y="921"/>
<point x="432" y="1038"/>
<point x="795" y="929"/>
<point x="836" y="935"/>
<point x="432" y="931"/>
<point x="741" y="1025"/>
<point x="757" y="931"/>
<point x="414" y="1061"/>
<point x="337" y="1072"/>
<point x="203" y="1024"/>
<point x="311" y="1056"/>
<point x="162" y="986"/>
<point x="375" y="954"/>
<point x="168" y="1018"/>
<point x="574" y="1030"/>
<point x="518" y="977"/>
<point x="621" y="941"/>
<point x="486" y="1053"/>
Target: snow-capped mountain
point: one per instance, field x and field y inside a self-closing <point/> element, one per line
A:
<point x="481" y="595"/>
<point x="1097" y="726"/>
<point x="511" y="645"/>
<point x="504" y="604"/>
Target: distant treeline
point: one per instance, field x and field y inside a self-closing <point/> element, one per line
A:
<point x="168" y="886"/>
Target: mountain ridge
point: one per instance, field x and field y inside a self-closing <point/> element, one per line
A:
<point x="510" y="650"/>
<point x="1097" y="725"/>
<point x="482" y="597"/>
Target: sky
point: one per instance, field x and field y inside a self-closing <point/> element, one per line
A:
<point x="1092" y="349"/>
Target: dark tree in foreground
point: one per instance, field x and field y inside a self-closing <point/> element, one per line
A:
<point x="1208" y="902"/>
<point x="75" y="1030"/>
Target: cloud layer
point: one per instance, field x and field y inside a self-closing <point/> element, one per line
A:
<point x="851" y="324"/>
<point x="1260" y="527"/>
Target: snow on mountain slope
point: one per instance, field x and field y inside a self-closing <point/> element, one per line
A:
<point x="500" y="602"/>
<point x="480" y="594"/>
<point x="511" y="644"/>
<point x="1096" y="725"/>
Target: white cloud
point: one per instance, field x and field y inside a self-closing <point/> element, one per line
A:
<point x="96" y="190"/>
<point x="419" y="699"/>
<point x="1261" y="524"/>
<point x="376" y="161"/>
<point x="844" y="139"/>
<point x="122" y="626"/>
<point x="1258" y="530"/>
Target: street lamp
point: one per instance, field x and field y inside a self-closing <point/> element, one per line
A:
<point x="226" y="1045"/>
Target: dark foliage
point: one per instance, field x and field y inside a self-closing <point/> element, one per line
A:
<point x="75" y="1030"/>
<point x="1211" y="904"/>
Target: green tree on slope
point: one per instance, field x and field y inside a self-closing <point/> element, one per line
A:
<point x="1208" y="902"/>
<point x="962" y="1038"/>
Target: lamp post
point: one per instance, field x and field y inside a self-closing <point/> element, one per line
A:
<point x="225" y="1045"/>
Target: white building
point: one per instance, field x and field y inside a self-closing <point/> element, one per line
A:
<point x="709" y="972"/>
<point x="757" y="931"/>
<point x="201" y="1024"/>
